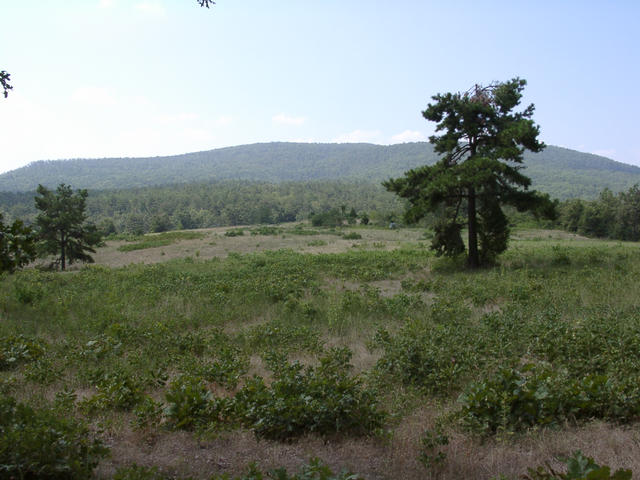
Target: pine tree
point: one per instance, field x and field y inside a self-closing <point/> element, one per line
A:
<point x="61" y="228"/>
<point x="17" y="245"/>
<point x="481" y="148"/>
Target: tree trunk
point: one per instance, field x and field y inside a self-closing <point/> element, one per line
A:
<point x="63" y="254"/>
<point x="474" y="259"/>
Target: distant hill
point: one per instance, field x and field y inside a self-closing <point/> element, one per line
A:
<point x="561" y="172"/>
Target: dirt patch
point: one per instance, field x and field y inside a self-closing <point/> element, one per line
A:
<point x="215" y="244"/>
<point x="182" y="454"/>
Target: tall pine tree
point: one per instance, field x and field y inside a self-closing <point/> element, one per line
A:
<point x="481" y="145"/>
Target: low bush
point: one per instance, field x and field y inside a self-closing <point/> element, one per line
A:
<point x="191" y="405"/>
<point x="578" y="467"/>
<point x="314" y="470"/>
<point x="117" y="391"/>
<point x="323" y="400"/>
<point x="143" y="242"/>
<point x="42" y="444"/>
<point x="352" y="236"/>
<point x="18" y="349"/>
<point x="234" y="232"/>
<point x="538" y="395"/>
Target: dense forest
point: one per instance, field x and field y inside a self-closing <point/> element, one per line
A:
<point x="561" y="172"/>
<point x="233" y="202"/>
<point x="615" y="216"/>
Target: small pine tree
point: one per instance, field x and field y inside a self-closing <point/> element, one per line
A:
<point x="61" y="225"/>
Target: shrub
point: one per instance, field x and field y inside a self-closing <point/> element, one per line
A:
<point x="352" y="236"/>
<point x="579" y="467"/>
<point x="18" y="349"/>
<point x="431" y="455"/>
<point x="323" y="400"/>
<point x="517" y="399"/>
<point x="314" y="470"/>
<point x="115" y="391"/>
<point x="227" y="369"/>
<point x="41" y="444"/>
<point x="234" y="232"/>
<point x="190" y="404"/>
<point x="148" y="413"/>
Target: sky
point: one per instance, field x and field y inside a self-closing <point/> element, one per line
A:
<point x="129" y="78"/>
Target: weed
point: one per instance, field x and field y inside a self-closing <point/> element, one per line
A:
<point x="352" y="236"/>
<point x="579" y="467"/>
<point x="15" y="350"/>
<point x="158" y="240"/>
<point x="234" y="232"/>
<point x="323" y="400"/>
<point x="42" y="444"/>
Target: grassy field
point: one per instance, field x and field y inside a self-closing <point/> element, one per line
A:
<point x="201" y="352"/>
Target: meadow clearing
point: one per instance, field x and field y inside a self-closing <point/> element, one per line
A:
<point x="200" y="352"/>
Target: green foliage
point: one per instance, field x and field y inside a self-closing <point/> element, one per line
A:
<point x="61" y="225"/>
<point x="159" y="240"/>
<point x="447" y="239"/>
<point x="117" y="391"/>
<point x="579" y="467"/>
<point x="234" y="232"/>
<point x="324" y="400"/>
<point x="314" y="470"/>
<point x="16" y="350"/>
<point x="567" y="306"/>
<point x="17" y="245"/>
<point x="352" y="236"/>
<point x="517" y="399"/>
<point x="332" y="218"/>
<point x="609" y="216"/>
<point x="148" y="413"/>
<point x="431" y="454"/>
<point x="190" y="404"/>
<point x="493" y="232"/>
<point x="290" y="169"/>
<point x="482" y="144"/>
<point x="42" y="444"/>
<point x="227" y="369"/>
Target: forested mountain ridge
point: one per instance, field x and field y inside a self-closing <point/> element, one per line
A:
<point x="561" y="172"/>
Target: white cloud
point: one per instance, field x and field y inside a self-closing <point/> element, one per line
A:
<point x="358" y="136"/>
<point x="408" y="136"/>
<point x="282" y="119"/>
<point x="106" y="3"/>
<point x="94" y="96"/>
<point x="151" y="8"/>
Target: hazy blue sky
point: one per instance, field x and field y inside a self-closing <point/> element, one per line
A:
<point x="97" y="78"/>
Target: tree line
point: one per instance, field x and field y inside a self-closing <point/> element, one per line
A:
<point x="225" y="203"/>
<point x="60" y="230"/>
<point x="614" y="216"/>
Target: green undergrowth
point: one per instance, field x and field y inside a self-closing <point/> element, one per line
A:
<point x="142" y="242"/>
<point x="548" y="337"/>
<point x="313" y="470"/>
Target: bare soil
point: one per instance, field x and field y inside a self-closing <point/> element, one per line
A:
<point x="216" y="244"/>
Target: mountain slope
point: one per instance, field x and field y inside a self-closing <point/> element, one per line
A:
<point x="561" y="172"/>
